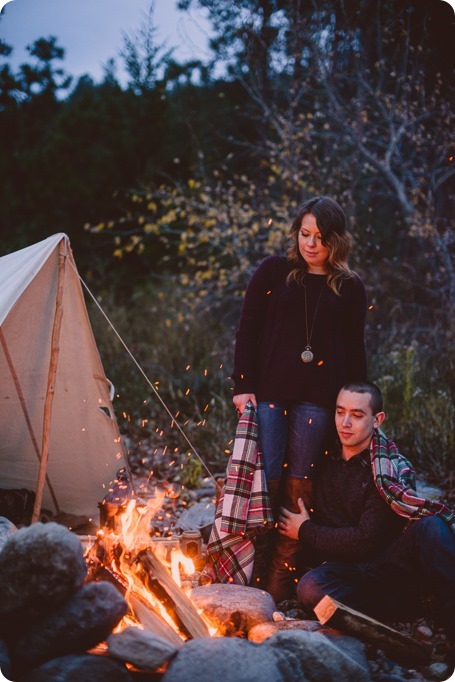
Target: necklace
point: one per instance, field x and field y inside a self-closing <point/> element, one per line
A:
<point x="307" y="355"/>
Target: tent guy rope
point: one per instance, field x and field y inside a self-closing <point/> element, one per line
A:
<point x="192" y="447"/>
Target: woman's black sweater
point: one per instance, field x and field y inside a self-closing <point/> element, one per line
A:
<point x="272" y="335"/>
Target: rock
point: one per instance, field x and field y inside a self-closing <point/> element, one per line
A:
<point x="5" y="661"/>
<point x="86" y="619"/>
<point x="318" y="658"/>
<point x="198" y="517"/>
<point x="263" y="631"/>
<point x="431" y="492"/>
<point x="40" y="565"/>
<point x="423" y="633"/>
<point x="141" y="648"/>
<point x="285" y="657"/>
<point x="84" y="667"/>
<point x="7" y="528"/>
<point x="438" y="671"/>
<point x="229" y="659"/>
<point x="243" y="606"/>
<point x="350" y="646"/>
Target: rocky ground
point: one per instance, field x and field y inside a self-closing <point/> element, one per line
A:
<point x="188" y="502"/>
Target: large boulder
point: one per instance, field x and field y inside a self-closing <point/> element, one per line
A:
<point x="40" y="565"/>
<point x="7" y="528"/>
<point x="83" y="621"/>
<point x="235" y="609"/>
<point x="317" y="657"/>
<point x="286" y="657"/>
<point x="229" y="659"/>
<point x="80" y="668"/>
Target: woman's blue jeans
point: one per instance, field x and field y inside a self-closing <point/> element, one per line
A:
<point x="294" y="433"/>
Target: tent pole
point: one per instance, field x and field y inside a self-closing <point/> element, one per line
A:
<point x="21" y="397"/>
<point x="50" y="383"/>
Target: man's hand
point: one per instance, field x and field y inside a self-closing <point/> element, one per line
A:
<point x="289" y="523"/>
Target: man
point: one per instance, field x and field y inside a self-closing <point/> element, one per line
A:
<point x="376" y="559"/>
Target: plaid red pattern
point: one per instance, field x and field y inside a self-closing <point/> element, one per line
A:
<point x="243" y="509"/>
<point x="394" y="477"/>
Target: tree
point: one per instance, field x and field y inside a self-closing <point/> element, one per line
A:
<point x="145" y="60"/>
<point x="48" y="79"/>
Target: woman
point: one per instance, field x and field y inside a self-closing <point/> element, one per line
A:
<point x="300" y="338"/>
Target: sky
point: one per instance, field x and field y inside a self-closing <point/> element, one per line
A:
<point x="91" y="31"/>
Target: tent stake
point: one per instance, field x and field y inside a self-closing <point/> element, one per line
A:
<point x="50" y="383"/>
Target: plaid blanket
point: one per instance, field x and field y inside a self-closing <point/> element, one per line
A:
<point x="243" y="509"/>
<point x="394" y="477"/>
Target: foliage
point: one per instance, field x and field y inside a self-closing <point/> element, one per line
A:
<point x="420" y="406"/>
<point x="185" y="180"/>
<point x="186" y="363"/>
<point x="211" y="235"/>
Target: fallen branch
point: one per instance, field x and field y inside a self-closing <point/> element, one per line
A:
<point x="401" y="647"/>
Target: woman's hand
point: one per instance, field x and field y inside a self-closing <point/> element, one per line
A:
<point x="241" y="400"/>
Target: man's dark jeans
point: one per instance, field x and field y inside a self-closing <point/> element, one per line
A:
<point x="421" y="560"/>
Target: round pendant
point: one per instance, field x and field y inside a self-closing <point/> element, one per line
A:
<point x="307" y="355"/>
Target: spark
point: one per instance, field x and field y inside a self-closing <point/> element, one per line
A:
<point x="321" y="362"/>
<point x="370" y="307"/>
<point x="187" y="368"/>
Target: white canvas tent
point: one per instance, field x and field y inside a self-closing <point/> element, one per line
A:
<point x="55" y="402"/>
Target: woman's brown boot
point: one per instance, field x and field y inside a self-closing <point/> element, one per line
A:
<point x="264" y="543"/>
<point x="283" y="570"/>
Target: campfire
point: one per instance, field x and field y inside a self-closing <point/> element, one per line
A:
<point x="155" y="574"/>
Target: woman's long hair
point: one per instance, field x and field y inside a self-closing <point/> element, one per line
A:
<point x="331" y="221"/>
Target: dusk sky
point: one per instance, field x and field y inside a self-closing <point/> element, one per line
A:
<point x="91" y="31"/>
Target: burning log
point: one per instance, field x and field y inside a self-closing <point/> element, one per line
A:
<point x="151" y="621"/>
<point x="140" y="609"/>
<point x="401" y="647"/>
<point x="160" y="583"/>
<point x="108" y="559"/>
